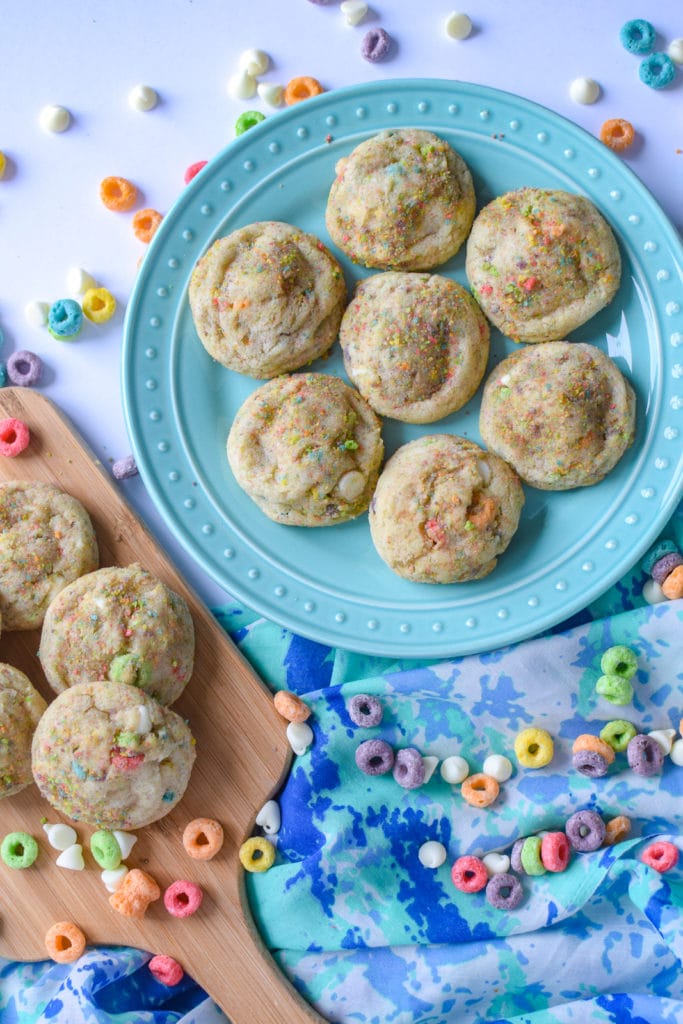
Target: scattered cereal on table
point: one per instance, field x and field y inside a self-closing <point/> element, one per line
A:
<point x="585" y="830"/>
<point x="409" y="769"/>
<point x="301" y="88"/>
<point x="290" y="706"/>
<point x="365" y="710"/>
<point x="166" y="970"/>
<point x="469" y="874"/>
<point x="617" y="134"/>
<point x="99" y="305"/>
<point x="15" y="437"/>
<point x="203" y="838"/>
<point x="375" y="45"/>
<point x="504" y="891"/>
<point x="248" y="119"/>
<point x="145" y="224"/>
<point x="480" y="790"/>
<point x="3" y="164"/>
<point x="661" y="855"/>
<point x="136" y="892"/>
<point x="657" y="71"/>
<point x="24" y="368"/>
<point x="183" y="898"/>
<point x="637" y="35"/>
<point x="18" y="850"/>
<point x="65" y="319"/>
<point x="105" y="849"/>
<point x="64" y="942"/>
<point x="534" y="748"/>
<point x="645" y="755"/>
<point x="118" y="194"/>
<point x="257" y="854"/>
<point x="193" y="170"/>
<point x="124" y="468"/>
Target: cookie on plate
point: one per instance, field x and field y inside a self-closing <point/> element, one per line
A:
<point x="415" y="345"/>
<point x="108" y="754"/>
<point x="20" y="709"/>
<point x="562" y="414"/>
<point x="46" y="541"/>
<point x="307" y="449"/>
<point x="444" y="509"/>
<point x="541" y="262"/>
<point x="267" y="299"/>
<point x="401" y="200"/>
<point x="119" y="623"/>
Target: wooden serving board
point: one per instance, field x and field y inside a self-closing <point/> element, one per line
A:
<point x="242" y="758"/>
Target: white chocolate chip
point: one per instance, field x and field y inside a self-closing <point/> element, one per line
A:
<point x="665" y="738"/>
<point x="455" y="769"/>
<point x="144" y="723"/>
<point x="584" y="90"/>
<point x="351" y="485"/>
<point x="241" y="85"/>
<point x="484" y="472"/>
<point x="498" y="766"/>
<point x="78" y="281"/>
<point x="36" y="312"/>
<point x="270" y="93"/>
<point x="677" y="753"/>
<point x="430" y="762"/>
<point x="143" y="97"/>
<point x="112" y="877"/>
<point x="300" y="736"/>
<point x="254" y="62"/>
<point x="458" y="26"/>
<point x="60" y="836"/>
<point x="354" y="11"/>
<point x="71" y="858"/>
<point x="653" y="593"/>
<point x="126" y="842"/>
<point x="432" y="854"/>
<point x="675" y="50"/>
<point x="54" y="118"/>
<point x="496" y="863"/>
<point x="269" y="817"/>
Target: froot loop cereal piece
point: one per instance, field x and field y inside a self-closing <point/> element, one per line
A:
<point x="375" y="45"/>
<point x="645" y="755"/>
<point x="664" y="566"/>
<point x="619" y="660"/>
<point x="269" y="817"/>
<point x="637" y="36"/>
<point x="375" y="757"/>
<point x="193" y="170"/>
<point x="657" y="71"/>
<point x="241" y="85"/>
<point x="616" y="829"/>
<point x="504" y="891"/>
<point x="672" y="587"/>
<point x="65" y="319"/>
<point x="113" y="877"/>
<point x="290" y="706"/>
<point x="458" y="25"/>
<point x="555" y="851"/>
<point x="143" y="97"/>
<point x="18" y="850"/>
<point x="183" y="898"/>
<point x="661" y="548"/>
<point x="432" y="854"/>
<point x="300" y="736"/>
<point x="15" y="437"/>
<point x="534" y="748"/>
<point x="365" y="710"/>
<point x="469" y="874"/>
<point x="60" y="836"/>
<point x="145" y="224"/>
<point x="118" y="194"/>
<point x="54" y="118"/>
<point x="166" y="970"/>
<point x="585" y="831"/>
<point x="584" y="90"/>
<point x="498" y="767"/>
<point x="530" y="856"/>
<point x="516" y="856"/>
<point x="78" y="281"/>
<point x="617" y="133"/>
<point x="203" y="838"/>
<point x="99" y="305"/>
<point x="24" y="368"/>
<point x="257" y="854"/>
<point x="254" y="62"/>
<point x="592" y="755"/>
<point x="123" y="469"/>
<point x="71" y="858"/>
<point x="480" y="790"/>
<point x="409" y="769"/>
<point x="618" y="734"/>
<point x="653" y="593"/>
<point x="35" y="312"/>
<point x="64" y="942"/>
<point x="3" y="164"/>
<point x="354" y="11"/>
<point x="661" y="855"/>
<point x="134" y="895"/>
<point x="665" y="738"/>
<point x="271" y="93"/>
<point x="615" y="689"/>
<point x="454" y="769"/>
<point x="675" y="50"/>
<point x="105" y="849"/>
<point x="301" y="88"/>
<point x="248" y="119"/>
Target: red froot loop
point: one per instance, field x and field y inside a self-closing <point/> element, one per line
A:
<point x="14" y="437"/>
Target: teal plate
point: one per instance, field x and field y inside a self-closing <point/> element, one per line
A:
<point x="328" y="583"/>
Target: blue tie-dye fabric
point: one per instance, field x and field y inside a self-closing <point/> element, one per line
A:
<point x="370" y="936"/>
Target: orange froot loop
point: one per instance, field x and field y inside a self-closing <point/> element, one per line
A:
<point x="118" y="194"/>
<point x="64" y="942"/>
<point x="617" y="133"/>
<point x="480" y="789"/>
<point x="145" y="224"/>
<point x="301" y="88"/>
<point x="203" y="838"/>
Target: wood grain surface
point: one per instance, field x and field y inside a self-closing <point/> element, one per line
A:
<point x="242" y="759"/>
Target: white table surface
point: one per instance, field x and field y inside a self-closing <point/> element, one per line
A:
<point x="87" y="56"/>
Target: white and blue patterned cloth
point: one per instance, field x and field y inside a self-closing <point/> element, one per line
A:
<point x="370" y="936"/>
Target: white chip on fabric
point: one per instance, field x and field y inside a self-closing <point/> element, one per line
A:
<point x="254" y="62"/>
<point x="241" y="85"/>
<point x="498" y="766"/>
<point x="143" y="97"/>
<point x="458" y="25"/>
<point x="584" y="90"/>
<point x="430" y="762"/>
<point x="54" y="118"/>
<point x="665" y="738"/>
<point x="677" y="753"/>
<point x="653" y="593"/>
<point x="455" y="769"/>
<point x="269" y="818"/>
<point x="432" y="854"/>
<point x="300" y="736"/>
<point x="496" y="863"/>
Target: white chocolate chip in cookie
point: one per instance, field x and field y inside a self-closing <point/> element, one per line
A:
<point x="351" y="485"/>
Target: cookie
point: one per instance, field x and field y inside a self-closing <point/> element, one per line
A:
<point x="307" y="449"/>
<point x="46" y="541"/>
<point x="267" y="299"/>
<point x="415" y="345"/>
<point x="541" y="262"/>
<point x="119" y="623"/>
<point x="562" y="414"/>
<point x="108" y="754"/>
<point x="20" y="709"/>
<point x="444" y="509"/>
<point x="401" y="200"/>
